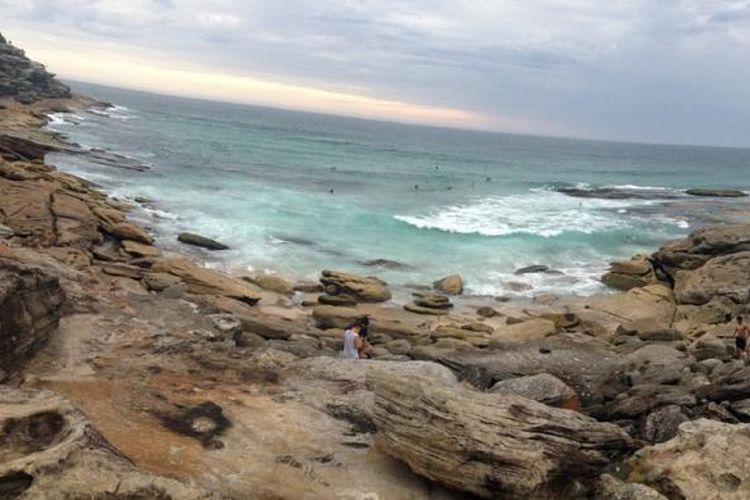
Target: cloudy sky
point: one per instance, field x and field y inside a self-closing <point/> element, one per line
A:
<point x="675" y="71"/>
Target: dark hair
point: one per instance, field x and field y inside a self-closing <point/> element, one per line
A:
<point x="363" y="321"/>
<point x="739" y="319"/>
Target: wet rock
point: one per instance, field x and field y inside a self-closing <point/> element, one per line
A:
<point x="537" y="268"/>
<point x="202" y="281"/>
<point x="543" y="387"/>
<point x="452" y="284"/>
<point x="662" y="424"/>
<point x="360" y="288"/>
<point x="707" y="459"/>
<point x="386" y="264"/>
<point x="717" y="193"/>
<point x="201" y="241"/>
<point x="493" y="447"/>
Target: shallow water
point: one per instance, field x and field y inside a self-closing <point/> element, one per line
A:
<point x="298" y="192"/>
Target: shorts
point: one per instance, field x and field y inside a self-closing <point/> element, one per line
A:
<point x="741" y="343"/>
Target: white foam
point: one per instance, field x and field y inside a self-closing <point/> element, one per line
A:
<point x="539" y="212"/>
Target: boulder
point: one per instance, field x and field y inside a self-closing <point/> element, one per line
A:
<point x="130" y="231"/>
<point x="662" y="424"/>
<point x="611" y="488"/>
<point x="633" y="273"/>
<point x="521" y="332"/>
<point x="452" y="284"/>
<point x="725" y="276"/>
<point x="271" y="282"/>
<point x="122" y="270"/>
<point x="226" y="323"/>
<point x="360" y="288"/>
<point x="710" y="346"/>
<point x="741" y="408"/>
<point x="51" y="450"/>
<point x="509" y="447"/>
<point x="335" y="317"/>
<point x="30" y="308"/>
<point x="543" y="387"/>
<point x="487" y="312"/>
<point x="201" y="241"/>
<point x="337" y="300"/>
<point x="202" y="281"/>
<point x="717" y="193"/>
<point x="431" y="300"/>
<point x="732" y="386"/>
<point x="710" y="241"/>
<point x="642" y="399"/>
<point x="707" y="459"/>
<point x="655" y="364"/>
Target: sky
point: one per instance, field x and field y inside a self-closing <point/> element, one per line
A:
<point x="668" y="71"/>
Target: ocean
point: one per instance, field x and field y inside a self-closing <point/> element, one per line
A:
<point x="296" y="193"/>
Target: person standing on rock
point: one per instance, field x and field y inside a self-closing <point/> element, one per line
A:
<point x="352" y="342"/>
<point x="741" y="333"/>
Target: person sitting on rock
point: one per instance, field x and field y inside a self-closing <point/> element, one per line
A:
<point x="741" y="332"/>
<point x="352" y="342"/>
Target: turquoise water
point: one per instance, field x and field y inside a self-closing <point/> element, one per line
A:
<point x="296" y="192"/>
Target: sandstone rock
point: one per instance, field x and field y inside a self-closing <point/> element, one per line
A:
<point x="160" y="281"/>
<point x="477" y="327"/>
<point x="226" y="323"/>
<point x="335" y="317"/>
<point x="201" y="241"/>
<point x="633" y="273"/>
<point x="521" y="332"/>
<point x="655" y="364"/>
<point x="487" y="312"/>
<point x="271" y="282"/>
<point x="130" y="231"/>
<point x="308" y="287"/>
<point x="610" y="488"/>
<point x="413" y="307"/>
<point x="701" y="245"/>
<point x="452" y="284"/>
<point x="717" y="193"/>
<point x="74" y="222"/>
<point x="399" y="347"/>
<point x="431" y="300"/>
<point x="733" y="386"/>
<point x="52" y="451"/>
<point x="139" y="249"/>
<point x="662" y="424"/>
<point x="360" y="288"/>
<point x="742" y="409"/>
<point x="708" y="347"/>
<point x="707" y="459"/>
<point x="493" y="447"/>
<point x="202" y="281"/>
<point x="451" y="344"/>
<point x="6" y="232"/>
<point x="642" y="399"/>
<point x="726" y="276"/>
<point x="337" y="300"/>
<point x="248" y="339"/>
<point x="70" y="256"/>
<point x="582" y="363"/>
<point x="122" y="270"/>
<point x="30" y="303"/>
<point x="543" y="387"/>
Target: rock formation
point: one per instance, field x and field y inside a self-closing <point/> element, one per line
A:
<point x="25" y="80"/>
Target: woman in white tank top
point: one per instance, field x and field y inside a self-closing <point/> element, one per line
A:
<point x="352" y="343"/>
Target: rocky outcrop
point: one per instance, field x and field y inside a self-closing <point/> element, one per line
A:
<point x="359" y="288"/>
<point x="452" y="284"/>
<point x="201" y="241"/>
<point x="726" y="276"/>
<point x="24" y="79"/>
<point x="30" y="304"/>
<point x="542" y="387"/>
<point x="633" y="273"/>
<point x="50" y="450"/>
<point x="704" y="244"/>
<point x="707" y="459"/>
<point x="271" y="282"/>
<point x="717" y="193"/>
<point x="202" y="281"/>
<point x="491" y="446"/>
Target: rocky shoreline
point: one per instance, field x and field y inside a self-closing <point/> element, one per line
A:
<point x="132" y="372"/>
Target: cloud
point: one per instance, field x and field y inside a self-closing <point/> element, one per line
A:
<point x="627" y="69"/>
